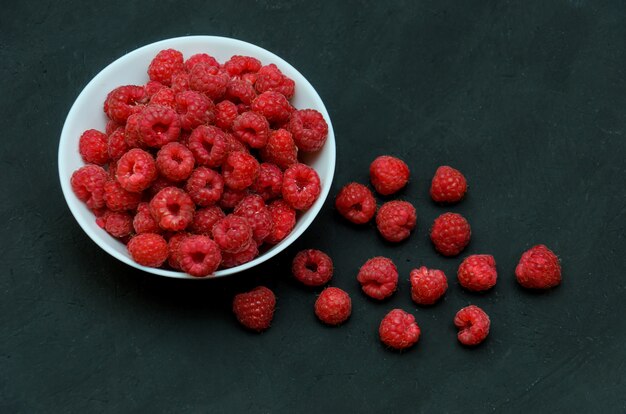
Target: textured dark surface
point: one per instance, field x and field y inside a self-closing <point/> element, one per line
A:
<point x="528" y="99"/>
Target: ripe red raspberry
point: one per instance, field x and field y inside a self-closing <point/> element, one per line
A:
<point x="301" y="186"/>
<point x="148" y="249"/>
<point x="93" y="147"/>
<point x="175" y="162"/>
<point x="236" y="259"/>
<point x="309" y="129"/>
<point x="283" y="221"/>
<point x="117" y="144"/>
<point x="200" y="58"/>
<point x="269" y="183"/>
<point x="194" y="109"/>
<point x="252" y="129"/>
<point x="239" y="65"/>
<point x="240" y="170"/>
<point x="473" y="324"/>
<point x="131" y="132"/>
<point x="88" y="184"/>
<point x="395" y="220"/>
<point x="450" y="234"/>
<point x="230" y="198"/>
<point x="205" y="218"/>
<point x="478" y="272"/>
<point x="398" y="330"/>
<point x="164" y="65"/>
<point x="143" y="222"/>
<point x="427" y="285"/>
<point x="448" y="185"/>
<point x="172" y="245"/>
<point x="539" y="268"/>
<point x="136" y="170"/>
<point x="111" y="126"/>
<point x="225" y="114"/>
<point x="152" y="87"/>
<point x="119" y="199"/>
<point x="117" y="223"/>
<point x="180" y="82"/>
<point x="205" y="186"/>
<point x="280" y="149"/>
<point x="356" y="203"/>
<point x="232" y="234"/>
<point x="255" y="309"/>
<point x="312" y="267"/>
<point x="240" y="91"/>
<point x="198" y="255"/>
<point x="208" y="145"/>
<point x="172" y="208"/>
<point x="270" y="78"/>
<point x="378" y="277"/>
<point x="333" y="306"/>
<point x="254" y="210"/>
<point x="164" y="97"/>
<point x="273" y="106"/>
<point x="124" y="101"/>
<point x="209" y="80"/>
<point x="158" y="125"/>
<point x="250" y="78"/>
<point x="388" y="174"/>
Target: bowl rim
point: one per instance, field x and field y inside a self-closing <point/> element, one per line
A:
<point x="73" y="202"/>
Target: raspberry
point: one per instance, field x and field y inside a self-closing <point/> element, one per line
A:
<point x="233" y="144"/>
<point x="124" y="101"/>
<point x="119" y="199"/>
<point x="230" y="198"/>
<point x="93" y="147"/>
<point x="175" y="162"/>
<point x="136" y="170"/>
<point x="395" y="220"/>
<point x="194" y="109"/>
<point x="312" y="267"/>
<point x="450" y="234"/>
<point x="255" y="309"/>
<point x="172" y="208"/>
<point x="240" y="91"/>
<point x="273" y="106"/>
<point x="301" y="186"/>
<point x="208" y="80"/>
<point x="427" y="285"/>
<point x="225" y="114"/>
<point x="478" y="272"/>
<point x="172" y="244"/>
<point x="333" y="306"/>
<point x="198" y="255"/>
<point x="131" y="132"/>
<point x="270" y="78"/>
<point x="253" y="209"/>
<point x="240" y="170"/>
<point x="158" y="125"/>
<point x="473" y="324"/>
<point x="205" y="218"/>
<point x="152" y="87"/>
<point x="117" y="145"/>
<point x="388" y="174"/>
<point x="111" y="127"/>
<point x="164" y="65"/>
<point x="398" y="330"/>
<point x="378" y="278"/>
<point x="356" y="203"/>
<point x="448" y="185"/>
<point x="309" y="129"/>
<point x="239" y="65"/>
<point x="283" y="221"/>
<point x="200" y="58"/>
<point x="159" y="184"/>
<point x="252" y="129"/>
<point x="180" y="82"/>
<point x="117" y="223"/>
<point x="538" y="268"/>
<point x="164" y="97"/>
<point x="88" y="184"/>
<point x="236" y="259"/>
<point x="280" y="149"/>
<point x="232" y="234"/>
<point x="143" y="222"/>
<point x="205" y="186"/>
<point x="208" y="145"/>
<point x="250" y="77"/>
<point x="269" y="183"/>
<point x="148" y="249"/>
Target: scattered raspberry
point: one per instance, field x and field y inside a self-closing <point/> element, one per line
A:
<point x="158" y="125"/>
<point x="200" y="58"/>
<point x="253" y="209"/>
<point x="131" y="132"/>
<point x="240" y="91"/>
<point x="539" y="268"/>
<point x="164" y="97"/>
<point x="119" y="199"/>
<point x="388" y="174"/>
<point x="236" y="259"/>
<point x="448" y="186"/>
<point x="208" y="80"/>
<point x="205" y="186"/>
<point x="280" y="149"/>
<point x="232" y="234"/>
<point x="88" y="184"/>
<point x="309" y="129"/>
<point x="180" y="82"/>
<point x="269" y="183"/>
<point x="173" y="243"/>
<point x="164" y="65"/>
<point x="143" y="222"/>
<point x="378" y="278"/>
<point x="175" y="162"/>
<point x="273" y="106"/>
<point x="208" y="145"/>
<point x="270" y="78"/>
<point x="478" y="272"/>
<point x="333" y="306"/>
<point x="230" y="198"/>
<point x="198" y="255"/>
<point x="427" y="285"/>
<point x="252" y="129"/>
<point x="124" y="101"/>
<point x="152" y="87"/>
<point x="473" y="324"/>
<point x="172" y="208"/>
<point x="148" y="249"/>
<point x="283" y="221"/>
<point x="301" y="186"/>
<point x="136" y="170"/>
<point x="225" y="114"/>
<point x="194" y="109"/>
<point x="117" y="144"/>
<point x="239" y="65"/>
<point x="398" y="330"/>
<point x="356" y="203"/>
<point x="255" y="309"/>
<point x="395" y="220"/>
<point x="205" y="218"/>
<point x="450" y="234"/>
<point x="93" y="147"/>
<point x="312" y="267"/>
<point x="240" y="170"/>
<point x="117" y="223"/>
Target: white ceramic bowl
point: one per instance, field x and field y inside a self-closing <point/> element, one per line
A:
<point x="131" y="69"/>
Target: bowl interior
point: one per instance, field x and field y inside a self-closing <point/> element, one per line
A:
<point x="131" y="68"/>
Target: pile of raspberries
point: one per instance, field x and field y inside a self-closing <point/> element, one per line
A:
<point x="198" y="169"/>
<point x="538" y="268"/>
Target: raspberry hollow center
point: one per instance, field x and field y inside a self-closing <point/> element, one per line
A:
<point x="173" y="208"/>
<point x="160" y="128"/>
<point x="311" y="266"/>
<point x="197" y="257"/>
